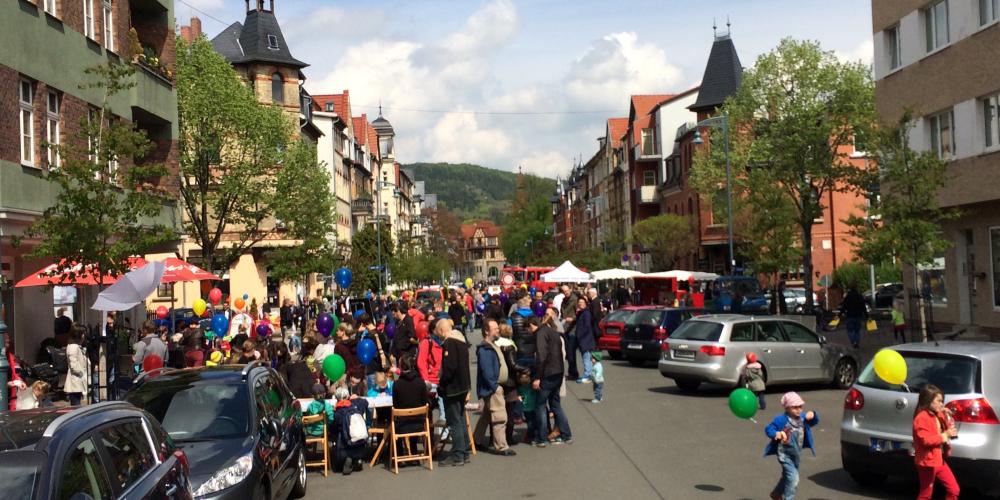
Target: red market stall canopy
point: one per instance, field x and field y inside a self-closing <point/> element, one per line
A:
<point x="65" y="273"/>
<point x="178" y="270"/>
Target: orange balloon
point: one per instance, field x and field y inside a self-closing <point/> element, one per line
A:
<point x="240" y="303"/>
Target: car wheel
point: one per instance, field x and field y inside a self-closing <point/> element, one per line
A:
<point x="299" y="490"/>
<point x="844" y="374"/>
<point x="636" y="362"/>
<point x="687" y="385"/>
<point x="865" y="478"/>
<point x="615" y="354"/>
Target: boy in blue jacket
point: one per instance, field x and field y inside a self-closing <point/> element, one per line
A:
<point x="789" y="434"/>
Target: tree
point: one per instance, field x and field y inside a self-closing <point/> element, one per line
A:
<point x="905" y="219"/>
<point x="229" y="146"/>
<point x="365" y="254"/>
<point x="107" y="202"/>
<point x="667" y="238"/>
<point x="306" y="208"/>
<point x="415" y="264"/>
<point x="525" y="235"/>
<point x="794" y="115"/>
<point x="444" y="234"/>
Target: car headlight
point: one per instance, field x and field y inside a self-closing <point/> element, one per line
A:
<point x="230" y="476"/>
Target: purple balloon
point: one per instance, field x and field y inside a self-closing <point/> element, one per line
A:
<point x="390" y="330"/>
<point x="263" y="331"/>
<point x="539" y="308"/>
<point x="324" y="324"/>
<point x="503" y="297"/>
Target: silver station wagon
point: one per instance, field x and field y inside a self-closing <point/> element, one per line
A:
<point x="713" y="349"/>
<point x="876" y="433"/>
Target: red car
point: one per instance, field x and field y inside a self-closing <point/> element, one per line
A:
<point x="611" y="329"/>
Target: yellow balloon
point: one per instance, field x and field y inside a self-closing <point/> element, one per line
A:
<point x="199" y="307"/>
<point x="890" y="366"/>
<point x="468" y="282"/>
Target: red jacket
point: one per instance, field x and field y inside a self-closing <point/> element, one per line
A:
<point x="429" y="360"/>
<point x="927" y="440"/>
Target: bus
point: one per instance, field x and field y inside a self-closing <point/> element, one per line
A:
<point x="531" y="276"/>
<point x="674" y="288"/>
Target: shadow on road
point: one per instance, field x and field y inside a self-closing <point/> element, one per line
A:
<point x="838" y="480"/>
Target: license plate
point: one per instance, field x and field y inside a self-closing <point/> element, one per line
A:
<point x="613" y="331"/>
<point x="884" y="445"/>
<point x="683" y="354"/>
<point x="635" y="346"/>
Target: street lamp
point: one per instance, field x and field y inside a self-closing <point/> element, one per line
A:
<point x="722" y="121"/>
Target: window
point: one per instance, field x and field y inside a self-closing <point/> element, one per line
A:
<point x="932" y="281"/>
<point x="83" y="473"/>
<point x="770" y="331"/>
<point x="50" y="7"/>
<point x="799" y="333"/>
<point x="648" y="145"/>
<point x="649" y="177"/>
<point x="129" y="451"/>
<point x="995" y="264"/>
<point x="943" y="134"/>
<point x="26" y="100"/>
<point x="92" y="119"/>
<point x="988" y="10"/>
<point x="743" y="332"/>
<point x="52" y="129"/>
<point x="892" y="46"/>
<point x="112" y="161"/>
<point x="277" y="88"/>
<point x="272" y="42"/>
<point x="329" y="107"/>
<point x="88" y="19"/>
<point x="936" y="25"/>
<point x="109" y="26"/>
<point x="991" y="116"/>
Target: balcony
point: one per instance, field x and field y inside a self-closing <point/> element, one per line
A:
<point x="362" y="206"/>
<point x="646" y="195"/>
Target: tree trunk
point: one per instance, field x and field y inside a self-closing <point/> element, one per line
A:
<point x="807" y="264"/>
<point x="921" y="307"/>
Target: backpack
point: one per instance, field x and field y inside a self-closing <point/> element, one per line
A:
<point x="357" y="430"/>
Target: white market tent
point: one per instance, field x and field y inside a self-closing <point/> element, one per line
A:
<point x="682" y="275"/>
<point x="567" y="273"/>
<point x="615" y="274"/>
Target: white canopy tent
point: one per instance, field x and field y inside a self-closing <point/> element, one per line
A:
<point x="567" y="273"/>
<point x="615" y="274"/>
<point x="680" y="275"/>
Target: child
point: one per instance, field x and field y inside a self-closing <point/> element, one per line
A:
<point x="753" y="378"/>
<point x="528" y="404"/>
<point x="319" y="404"/>
<point x="898" y="323"/>
<point x="214" y="359"/>
<point x="382" y="385"/>
<point x="790" y="433"/>
<point x="355" y="385"/>
<point x="598" y="377"/>
<point x="34" y="398"/>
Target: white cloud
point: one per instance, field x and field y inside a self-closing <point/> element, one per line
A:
<point x="546" y="164"/>
<point x="864" y="52"/>
<point x="458" y="136"/>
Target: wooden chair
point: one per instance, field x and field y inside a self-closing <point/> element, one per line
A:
<point x="322" y="441"/>
<point x="468" y="423"/>
<point x="382" y="433"/>
<point x="425" y="435"/>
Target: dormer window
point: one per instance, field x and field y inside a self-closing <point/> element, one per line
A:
<point x="272" y="42"/>
<point x="329" y="107"/>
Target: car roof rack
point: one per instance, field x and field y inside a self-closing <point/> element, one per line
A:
<point x="154" y="371"/>
<point x="80" y="412"/>
<point x="250" y="366"/>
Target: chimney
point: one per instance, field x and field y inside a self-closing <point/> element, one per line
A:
<point x="260" y="5"/>
<point x="192" y="32"/>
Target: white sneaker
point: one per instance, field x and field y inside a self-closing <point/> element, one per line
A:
<point x="595" y="401"/>
<point x="583" y="381"/>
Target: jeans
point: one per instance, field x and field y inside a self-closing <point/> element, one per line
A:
<point x="789" y="481"/>
<point x="853" y="326"/>
<point x="760" y="400"/>
<point x="549" y="400"/>
<point x="571" y="370"/>
<point x="899" y="332"/>
<point x="588" y="365"/>
<point x="470" y="322"/>
<point x="454" y="411"/>
<point x="598" y="390"/>
<point x="74" y="398"/>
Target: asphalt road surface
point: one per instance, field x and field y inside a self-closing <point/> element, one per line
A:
<point x="647" y="440"/>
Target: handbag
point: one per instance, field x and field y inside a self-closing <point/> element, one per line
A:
<point x="834" y="323"/>
<point x="871" y="326"/>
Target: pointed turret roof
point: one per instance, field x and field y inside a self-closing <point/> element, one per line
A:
<point x="722" y="77"/>
<point x="258" y="39"/>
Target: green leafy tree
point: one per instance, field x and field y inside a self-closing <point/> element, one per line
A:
<point x="230" y="146"/>
<point x="795" y="113"/>
<point x="525" y="235"/>
<point x="668" y="238"/>
<point x="415" y="265"/>
<point x="107" y="201"/>
<point x="306" y="208"/>
<point x="904" y="221"/>
<point x="365" y="254"/>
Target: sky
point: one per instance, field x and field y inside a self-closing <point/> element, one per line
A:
<point x="525" y="83"/>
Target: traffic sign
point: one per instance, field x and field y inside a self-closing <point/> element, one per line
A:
<point x="507" y="279"/>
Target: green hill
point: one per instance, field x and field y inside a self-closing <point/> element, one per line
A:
<point x="475" y="192"/>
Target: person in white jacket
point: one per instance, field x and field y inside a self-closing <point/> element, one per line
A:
<point x="79" y="369"/>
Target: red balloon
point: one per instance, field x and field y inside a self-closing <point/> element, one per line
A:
<point x="151" y="362"/>
<point x="161" y="312"/>
<point x="215" y="296"/>
<point x="422" y="329"/>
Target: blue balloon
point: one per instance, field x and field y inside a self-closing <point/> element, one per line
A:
<point x="480" y="308"/>
<point x="343" y="277"/>
<point x="220" y="324"/>
<point x="246" y="296"/>
<point x="358" y="313"/>
<point x="366" y="351"/>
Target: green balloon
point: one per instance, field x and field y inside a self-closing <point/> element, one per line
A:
<point x="743" y="403"/>
<point x="333" y="367"/>
<point x="336" y="322"/>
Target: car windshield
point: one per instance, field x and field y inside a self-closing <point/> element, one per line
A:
<point x="698" y="330"/>
<point x="428" y="295"/>
<point x="646" y="317"/>
<point x="745" y="287"/>
<point x="619" y="315"/>
<point x="196" y="412"/>
<point x="952" y="374"/>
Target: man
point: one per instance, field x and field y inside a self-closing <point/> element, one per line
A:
<point x="568" y="313"/>
<point x="524" y="339"/>
<point x="596" y="309"/>
<point x="470" y="311"/>
<point x="547" y="377"/>
<point x="454" y="385"/>
<point x="456" y="312"/>
<point x="621" y="296"/>
<point x="149" y="344"/>
<point x="405" y="340"/>
<point x="63" y="324"/>
<point x="492" y="374"/>
<point x="557" y="301"/>
<point x="287" y="313"/>
<point x="192" y="341"/>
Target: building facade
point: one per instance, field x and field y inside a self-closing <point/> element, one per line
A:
<point x="935" y="59"/>
<point x="482" y="256"/>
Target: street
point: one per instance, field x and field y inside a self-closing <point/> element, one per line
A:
<point x="646" y="440"/>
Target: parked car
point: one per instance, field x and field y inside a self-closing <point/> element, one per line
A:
<point x="795" y="300"/>
<point x="611" y="327"/>
<point x="429" y="295"/>
<point x="105" y="450"/>
<point x="885" y="294"/>
<point x="876" y="432"/>
<point x="647" y="329"/>
<point x="713" y="349"/>
<point x="726" y="289"/>
<point x="239" y="425"/>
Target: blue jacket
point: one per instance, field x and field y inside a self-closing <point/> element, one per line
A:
<point x="780" y="422"/>
<point x="586" y="341"/>
<point x="488" y="373"/>
<point x="342" y="418"/>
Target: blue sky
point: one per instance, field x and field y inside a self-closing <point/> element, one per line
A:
<point x="454" y="57"/>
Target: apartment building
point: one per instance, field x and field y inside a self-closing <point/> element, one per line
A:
<point x="336" y="150"/>
<point x="938" y="59"/>
<point x="482" y="256"/>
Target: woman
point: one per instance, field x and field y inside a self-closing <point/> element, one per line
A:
<point x="379" y="362"/>
<point x="586" y="341"/>
<point x="346" y="347"/>
<point x="409" y="391"/>
<point x="78" y="374"/>
<point x="932" y="432"/>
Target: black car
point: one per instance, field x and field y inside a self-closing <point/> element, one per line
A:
<point x="106" y="450"/>
<point x="885" y="294"/>
<point x="646" y="330"/>
<point x="240" y="427"/>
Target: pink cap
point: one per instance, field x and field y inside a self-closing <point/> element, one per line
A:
<point x="791" y="399"/>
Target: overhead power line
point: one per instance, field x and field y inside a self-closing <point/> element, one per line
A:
<point x="206" y="14"/>
<point x="479" y="112"/>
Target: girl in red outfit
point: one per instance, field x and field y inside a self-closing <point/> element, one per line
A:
<point x="931" y="434"/>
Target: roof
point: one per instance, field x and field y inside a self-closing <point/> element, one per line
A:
<point x="341" y="103"/>
<point x="616" y="129"/>
<point x="722" y="77"/>
<point x="372" y="137"/>
<point x="248" y="42"/>
<point x="360" y="129"/>
<point x="490" y="230"/>
<point x="639" y="112"/>
<point x="381" y="124"/>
